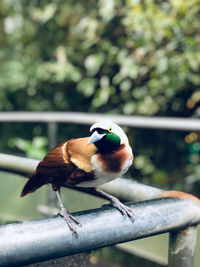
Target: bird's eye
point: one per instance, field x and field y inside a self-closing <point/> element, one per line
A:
<point x="99" y="130"/>
<point x="110" y="129"/>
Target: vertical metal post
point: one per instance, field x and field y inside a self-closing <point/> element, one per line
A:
<point x="52" y="131"/>
<point x="182" y="247"/>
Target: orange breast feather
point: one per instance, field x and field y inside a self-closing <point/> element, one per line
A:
<point x="80" y="153"/>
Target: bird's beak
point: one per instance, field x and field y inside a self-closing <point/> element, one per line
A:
<point x="95" y="137"/>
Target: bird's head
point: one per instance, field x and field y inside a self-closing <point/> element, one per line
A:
<point x="107" y="136"/>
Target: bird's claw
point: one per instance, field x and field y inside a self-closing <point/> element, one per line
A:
<point x="69" y="219"/>
<point x="126" y="211"/>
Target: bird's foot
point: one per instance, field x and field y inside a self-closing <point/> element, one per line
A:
<point x="69" y="219"/>
<point x="126" y="211"/>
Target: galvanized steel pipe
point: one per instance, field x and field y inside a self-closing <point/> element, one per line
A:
<point x="126" y="189"/>
<point x="182" y="247"/>
<point x="34" y="241"/>
<point x="167" y="123"/>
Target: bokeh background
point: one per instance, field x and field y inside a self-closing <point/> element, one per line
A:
<point x="132" y="57"/>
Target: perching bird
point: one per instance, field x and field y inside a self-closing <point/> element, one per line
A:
<point x="85" y="162"/>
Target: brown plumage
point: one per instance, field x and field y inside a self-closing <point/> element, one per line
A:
<point x="88" y="161"/>
<point x="68" y="163"/>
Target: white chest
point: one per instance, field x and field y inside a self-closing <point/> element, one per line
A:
<point x="103" y="175"/>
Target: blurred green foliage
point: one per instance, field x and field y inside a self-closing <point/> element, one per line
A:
<point x="33" y="149"/>
<point x="134" y="57"/>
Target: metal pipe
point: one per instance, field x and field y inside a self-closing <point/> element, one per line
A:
<point x="122" y="188"/>
<point x="130" y="190"/>
<point x="181" y="124"/>
<point x="52" y="130"/>
<point x="126" y="189"/>
<point x="35" y="241"/>
<point x="182" y="247"/>
<point x="17" y="164"/>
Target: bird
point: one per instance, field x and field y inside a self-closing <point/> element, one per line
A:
<point x="85" y="162"/>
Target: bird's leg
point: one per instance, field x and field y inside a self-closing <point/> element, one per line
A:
<point x="69" y="219"/>
<point x="126" y="211"/>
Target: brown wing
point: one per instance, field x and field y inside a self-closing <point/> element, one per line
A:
<point x="69" y="162"/>
<point x="55" y="162"/>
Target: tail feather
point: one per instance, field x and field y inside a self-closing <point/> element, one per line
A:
<point x="35" y="181"/>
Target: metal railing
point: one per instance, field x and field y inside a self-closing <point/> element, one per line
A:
<point x="34" y="241"/>
<point x="183" y="124"/>
<point x="28" y="242"/>
<point x="53" y="118"/>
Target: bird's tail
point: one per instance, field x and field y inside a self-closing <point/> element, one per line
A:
<point x="35" y="181"/>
